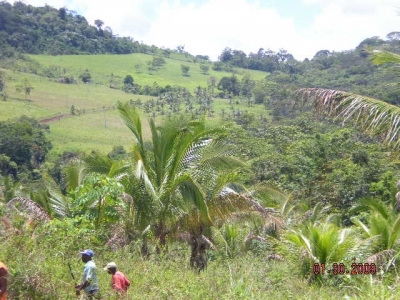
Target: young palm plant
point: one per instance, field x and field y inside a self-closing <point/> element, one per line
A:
<point x="182" y="167"/>
<point x="324" y="244"/>
<point x="381" y="227"/>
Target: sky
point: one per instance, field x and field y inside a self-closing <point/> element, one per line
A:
<point x="206" y="27"/>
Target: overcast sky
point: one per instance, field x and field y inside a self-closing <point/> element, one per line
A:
<point x="206" y="27"/>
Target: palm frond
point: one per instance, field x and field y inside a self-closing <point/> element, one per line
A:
<point x="98" y="163"/>
<point x="191" y="191"/>
<point x="141" y="173"/>
<point x="59" y="203"/>
<point x="381" y="258"/>
<point x="303" y="242"/>
<point x="30" y="207"/>
<point x="75" y="173"/>
<point x="361" y="225"/>
<point x="132" y="120"/>
<point x="374" y="116"/>
<point x="103" y="164"/>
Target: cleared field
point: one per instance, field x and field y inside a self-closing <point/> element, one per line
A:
<point x="99" y="126"/>
<point x="102" y="66"/>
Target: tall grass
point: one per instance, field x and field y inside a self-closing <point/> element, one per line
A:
<point x="42" y="273"/>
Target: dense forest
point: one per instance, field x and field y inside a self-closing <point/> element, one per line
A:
<point x="53" y="31"/>
<point x="291" y="173"/>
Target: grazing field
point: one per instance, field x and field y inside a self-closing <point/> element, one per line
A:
<point x="98" y="126"/>
<point x="102" y="66"/>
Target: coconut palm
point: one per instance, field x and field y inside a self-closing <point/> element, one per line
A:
<point x="181" y="169"/>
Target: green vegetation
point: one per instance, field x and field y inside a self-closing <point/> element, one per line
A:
<point x="202" y="180"/>
<point x="102" y="66"/>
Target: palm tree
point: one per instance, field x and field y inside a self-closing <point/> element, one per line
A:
<point x="226" y="203"/>
<point x="181" y="169"/>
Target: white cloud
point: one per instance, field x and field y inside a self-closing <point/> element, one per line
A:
<point x="342" y="25"/>
<point x="240" y="24"/>
<point x="210" y="28"/>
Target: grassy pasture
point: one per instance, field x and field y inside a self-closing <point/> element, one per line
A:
<point x="99" y="126"/>
<point x="102" y="66"/>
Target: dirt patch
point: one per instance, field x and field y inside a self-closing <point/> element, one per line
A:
<point x="53" y="119"/>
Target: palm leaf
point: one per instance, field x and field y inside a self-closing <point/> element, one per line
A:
<point x="361" y="224"/>
<point x="132" y="120"/>
<point x="191" y="191"/>
<point x="59" y="203"/>
<point x="395" y="232"/>
<point x="374" y="116"/>
<point x="75" y="173"/>
<point x="381" y="257"/>
<point x="30" y="207"/>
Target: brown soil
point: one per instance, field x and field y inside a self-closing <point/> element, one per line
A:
<point x="53" y="119"/>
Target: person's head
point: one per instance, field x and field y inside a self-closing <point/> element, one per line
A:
<point x="87" y="255"/>
<point x="111" y="268"/>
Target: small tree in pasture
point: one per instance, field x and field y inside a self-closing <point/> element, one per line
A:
<point x="25" y="87"/>
<point x="185" y="70"/>
<point x="204" y="69"/>
<point x="85" y="76"/>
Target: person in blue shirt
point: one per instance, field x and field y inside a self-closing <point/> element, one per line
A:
<point x="90" y="283"/>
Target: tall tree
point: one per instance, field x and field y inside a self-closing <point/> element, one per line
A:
<point x="99" y="23"/>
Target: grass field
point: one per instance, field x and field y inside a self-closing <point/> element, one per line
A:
<point x="102" y="66"/>
<point x="99" y="127"/>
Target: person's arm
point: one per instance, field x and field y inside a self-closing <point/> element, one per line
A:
<point x="113" y="285"/>
<point x="87" y="281"/>
<point x="83" y="285"/>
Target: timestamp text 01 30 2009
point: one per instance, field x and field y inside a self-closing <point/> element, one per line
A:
<point x="340" y="269"/>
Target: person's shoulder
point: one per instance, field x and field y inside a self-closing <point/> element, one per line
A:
<point x="91" y="263"/>
<point x="119" y="273"/>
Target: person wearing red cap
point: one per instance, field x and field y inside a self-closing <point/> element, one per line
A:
<point x="119" y="282"/>
<point x="89" y="278"/>
<point x="3" y="281"/>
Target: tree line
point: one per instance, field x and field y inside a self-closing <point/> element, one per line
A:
<point x="47" y="30"/>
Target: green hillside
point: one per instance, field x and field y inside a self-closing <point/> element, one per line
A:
<point x="98" y="126"/>
<point x="102" y="66"/>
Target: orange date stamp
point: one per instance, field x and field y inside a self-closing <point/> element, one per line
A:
<point x="341" y="269"/>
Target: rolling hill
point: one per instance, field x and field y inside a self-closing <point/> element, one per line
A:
<point x="98" y="126"/>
